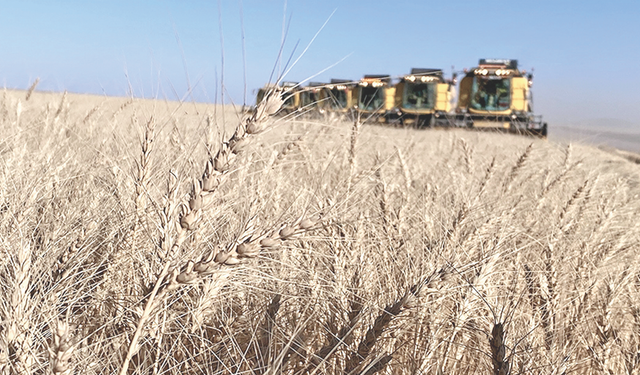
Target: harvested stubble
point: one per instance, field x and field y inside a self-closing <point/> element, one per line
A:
<point x="438" y="252"/>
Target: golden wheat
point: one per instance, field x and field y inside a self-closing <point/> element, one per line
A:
<point x="159" y="247"/>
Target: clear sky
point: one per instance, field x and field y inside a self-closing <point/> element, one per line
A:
<point x="586" y="53"/>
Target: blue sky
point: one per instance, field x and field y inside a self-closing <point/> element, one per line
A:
<point x="585" y="53"/>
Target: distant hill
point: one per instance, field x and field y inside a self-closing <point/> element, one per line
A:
<point x="610" y="132"/>
<point x="605" y="124"/>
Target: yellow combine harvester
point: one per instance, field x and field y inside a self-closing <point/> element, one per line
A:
<point x="496" y="95"/>
<point x="338" y="96"/>
<point x="311" y="97"/>
<point x="423" y="98"/>
<point x="375" y="97"/>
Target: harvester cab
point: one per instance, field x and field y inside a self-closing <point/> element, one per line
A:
<point x="375" y="96"/>
<point x="423" y="98"/>
<point x="338" y="96"/>
<point x="310" y="96"/>
<point x="496" y="94"/>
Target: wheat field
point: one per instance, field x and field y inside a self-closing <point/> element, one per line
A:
<point x="154" y="237"/>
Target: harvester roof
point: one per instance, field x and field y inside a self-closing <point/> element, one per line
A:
<point x="377" y="76"/>
<point x="424" y="71"/>
<point x="504" y="63"/>
<point x="340" y="84"/>
<point x="375" y="80"/>
<point x="496" y="69"/>
<point x="424" y="75"/>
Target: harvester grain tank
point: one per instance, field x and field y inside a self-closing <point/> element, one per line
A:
<point x="338" y="96"/>
<point x="423" y="98"/>
<point x="375" y="96"/>
<point x="496" y="94"/>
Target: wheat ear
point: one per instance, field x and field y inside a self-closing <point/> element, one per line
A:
<point x="16" y="337"/>
<point x="468" y="155"/>
<point x="353" y="143"/>
<point x="31" y="89"/>
<point x="142" y="180"/>
<point x="61" y="106"/>
<point x="382" y="321"/>
<point x="90" y="113"/>
<point x="215" y="170"/>
<point x="344" y="336"/>
<point x="517" y="167"/>
<point x="406" y="174"/>
<point x="286" y="151"/>
<point x="62" y="350"/>
<point x="498" y="357"/>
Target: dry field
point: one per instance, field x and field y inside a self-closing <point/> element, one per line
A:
<point x="136" y="239"/>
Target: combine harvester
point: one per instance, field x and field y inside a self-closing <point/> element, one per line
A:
<point x="311" y="97"/>
<point x="375" y="97"/>
<point x="338" y="96"/>
<point x="423" y="99"/>
<point x="496" y="95"/>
